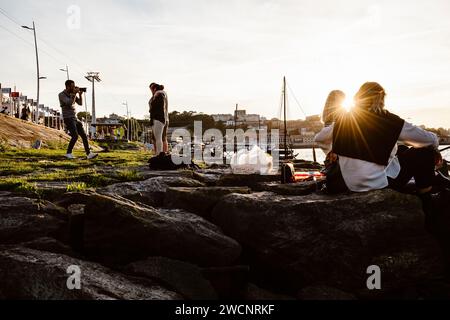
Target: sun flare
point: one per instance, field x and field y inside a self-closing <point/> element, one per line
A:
<point x="348" y="104"/>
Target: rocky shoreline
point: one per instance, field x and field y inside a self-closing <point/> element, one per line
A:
<point x="214" y="235"/>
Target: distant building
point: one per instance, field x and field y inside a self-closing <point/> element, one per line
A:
<point x="444" y="140"/>
<point x="313" y="118"/>
<point x="308" y="139"/>
<point x="222" y="117"/>
<point x="113" y="119"/>
<point x="114" y="116"/>
<point x="241" y="118"/>
<point x="314" y="121"/>
<point x="296" y="138"/>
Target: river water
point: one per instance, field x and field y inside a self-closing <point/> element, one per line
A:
<point x="307" y="154"/>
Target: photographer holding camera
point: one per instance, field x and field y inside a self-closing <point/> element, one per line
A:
<point x="68" y="98"/>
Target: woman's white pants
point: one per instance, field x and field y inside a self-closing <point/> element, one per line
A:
<point x="158" y="128"/>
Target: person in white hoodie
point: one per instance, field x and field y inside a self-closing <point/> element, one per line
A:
<point x="365" y="143"/>
<point x="333" y="107"/>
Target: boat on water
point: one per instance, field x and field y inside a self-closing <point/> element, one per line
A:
<point x="285" y="152"/>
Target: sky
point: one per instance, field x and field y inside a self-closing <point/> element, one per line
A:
<point x="212" y="55"/>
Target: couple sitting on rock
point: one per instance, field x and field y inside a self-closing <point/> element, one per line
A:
<point x="363" y="153"/>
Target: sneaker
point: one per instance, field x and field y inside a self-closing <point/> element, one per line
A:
<point x="92" y="156"/>
<point x="70" y="156"/>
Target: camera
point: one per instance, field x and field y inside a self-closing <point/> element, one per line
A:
<point x="82" y="89"/>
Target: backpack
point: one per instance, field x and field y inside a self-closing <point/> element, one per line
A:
<point x="287" y="173"/>
<point x="164" y="161"/>
<point x="334" y="180"/>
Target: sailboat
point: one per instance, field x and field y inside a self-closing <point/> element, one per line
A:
<point x="286" y="153"/>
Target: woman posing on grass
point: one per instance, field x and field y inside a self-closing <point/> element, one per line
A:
<point x="159" y="117"/>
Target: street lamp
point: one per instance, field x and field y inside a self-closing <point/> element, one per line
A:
<point x="66" y="70"/>
<point x="37" y="68"/>
<point x="93" y="77"/>
<point x="128" y="120"/>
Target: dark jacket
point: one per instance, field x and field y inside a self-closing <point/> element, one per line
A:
<point x="366" y="135"/>
<point x="158" y="107"/>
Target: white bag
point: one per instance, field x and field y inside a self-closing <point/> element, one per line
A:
<point x="255" y="161"/>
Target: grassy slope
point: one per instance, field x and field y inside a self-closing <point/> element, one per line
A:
<point x="21" y="170"/>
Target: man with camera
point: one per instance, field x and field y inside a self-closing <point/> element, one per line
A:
<point x="68" y="98"/>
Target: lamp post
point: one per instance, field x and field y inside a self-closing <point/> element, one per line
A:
<point x="37" y="68"/>
<point x="128" y="121"/>
<point x="66" y="70"/>
<point x="93" y="77"/>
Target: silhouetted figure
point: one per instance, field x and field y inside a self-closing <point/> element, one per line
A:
<point x="67" y="99"/>
<point x="25" y="113"/>
<point x="159" y="117"/>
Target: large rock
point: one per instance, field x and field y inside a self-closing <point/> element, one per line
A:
<point x="74" y="198"/>
<point x="324" y="293"/>
<point x="229" y="282"/>
<point x="289" y="189"/>
<point x="320" y="239"/>
<point x="200" y="201"/>
<point x="38" y="275"/>
<point x="24" y="219"/>
<point x="210" y="179"/>
<point x="49" y="245"/>
<point x="146" y="173"/>
<point x="252" y="181"/>
<point x="254" y="293"/>
<point x="182" y="277"/>
<point x="120" y="230"/>
<point x="150" y="191"/>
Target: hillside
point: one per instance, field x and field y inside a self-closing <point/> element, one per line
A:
<point x="18" y="133"/>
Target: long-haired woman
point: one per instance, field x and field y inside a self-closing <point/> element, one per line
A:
<point x="159" y="117"/>
<point x="333" y="106"/>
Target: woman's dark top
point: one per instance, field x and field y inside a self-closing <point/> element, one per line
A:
<point x="157" y="107"/>
<point x="366" y="135"/>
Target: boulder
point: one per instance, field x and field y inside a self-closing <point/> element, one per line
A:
<point x="39" y="275"/>
<point x="147" y="174"/>
<point x="324" y="293"/>
<point x="289" y="189"/>
<point x="229" y="282"/>
<point x="246" y="180"/>
<point x="52" y="190"/>
<point x="210" y="179"/>
<point x="330" y="240"/>
<point x="49" y="245"/>
<point x="254" y="293"/>
<point x="119" y="230"/>
<point x="74" y="198"/>
<point x="200" y="201"/>
<point x="150" y="191"/>
<point x="24" y="219"/>
<point x="181" y="277"/>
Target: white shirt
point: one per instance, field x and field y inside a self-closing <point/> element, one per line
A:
<point x="362" y="176"/>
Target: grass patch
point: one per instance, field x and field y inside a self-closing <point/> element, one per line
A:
<point x="76" y="187"/>
<point x="4" y="146"/>
<point x="21" y="169"/>
<point x="128" y="175"/>
<point x="17" y="185"/>
<point x="56" y="145"/>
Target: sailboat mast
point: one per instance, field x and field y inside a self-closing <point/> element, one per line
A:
<point x="285" y="124"/>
